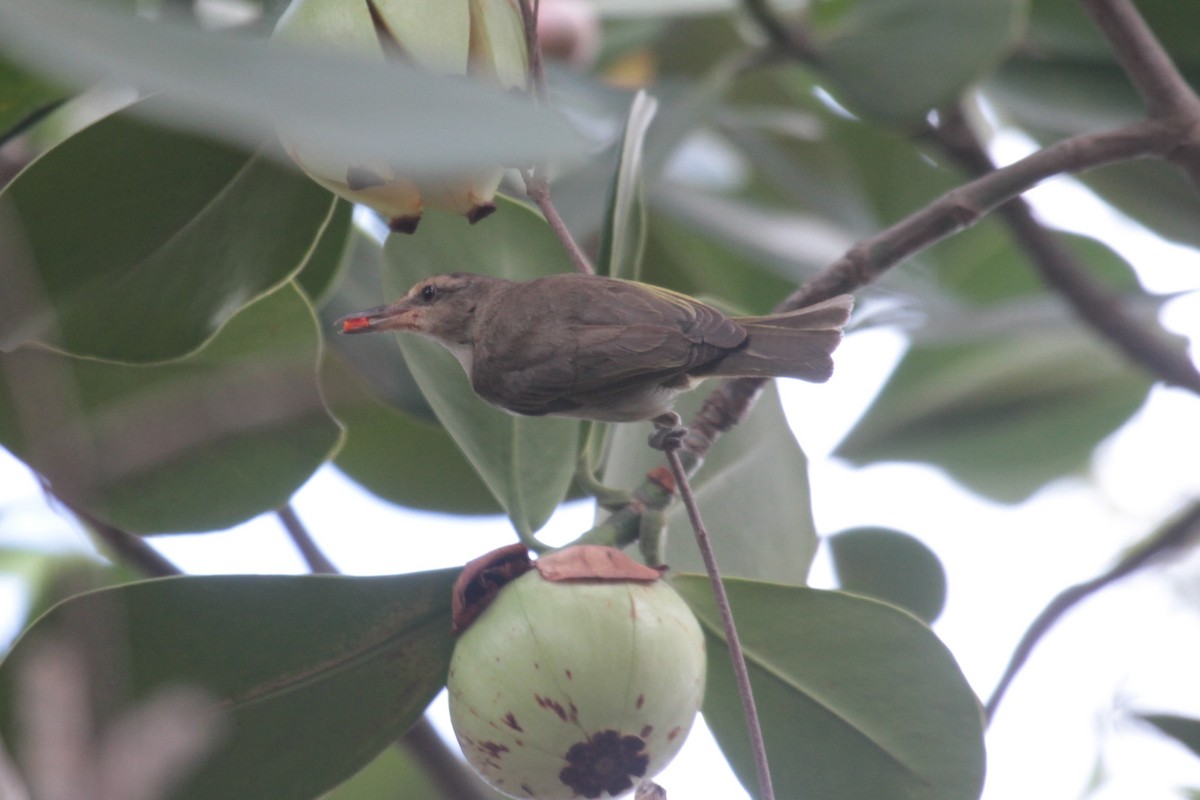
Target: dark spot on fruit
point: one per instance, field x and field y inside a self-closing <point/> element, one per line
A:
<point x="641" y="701"/>
<point x="646" y="731"/>
<point x="574" y="713"/>
<point x="511" y="721"/>
<point x="569" y="675"/>
<point x="493" y="749"/>
<point x="673" y="733"/>
<point x="553" y="705"/>
<point x="525" y="788"/>
<point x="607" y="762"/>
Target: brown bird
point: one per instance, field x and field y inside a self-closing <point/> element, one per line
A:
<point x="601" y="348"/>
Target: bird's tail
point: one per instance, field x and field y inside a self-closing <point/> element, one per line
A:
<point x="796" y="344"/>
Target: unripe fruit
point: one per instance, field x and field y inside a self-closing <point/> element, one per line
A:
<point x="577" y="687"/>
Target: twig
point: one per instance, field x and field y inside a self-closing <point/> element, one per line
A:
<point x="1142" y="57"/>
<point x="952" y="212"/>
<point x="1061" y="270"/>
<point x="317" y="561"/>
<point x="965" y="205"/>
<point x="538" y="190"/>
<point x="129" y="548"/>
<point x="1167" y="95"/>
<point x="537" y="185"/>
<point x="736" y="655"/>
<point x="1176" y="534"/>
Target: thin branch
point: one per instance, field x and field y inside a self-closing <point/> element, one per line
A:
<point x="129" y="548"/>
<point x="952" y="212"/>
<point x="736" y="655"/>
<point x="1143" y="58"/>
<point x="316" y="560"/>
<point x="537" y="185"/>
<point x="1167" y="94"/>
<point x="1061" y="270"/>
<point x="1178" y="533"/>
<point x="962" y="207"/>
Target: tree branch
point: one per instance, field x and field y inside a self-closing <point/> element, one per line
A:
<point x="1099" y="308"/>
<point x="1143" y="58"/>
<point x="1176" y="534"/>
<point x="316" y="560"/>
<point x="129" y="548"/>
<point x="962" y="207"/>
<point x="1168" y="96"/>
<point x="952" y="212"/>
<point x="537" y="185"/>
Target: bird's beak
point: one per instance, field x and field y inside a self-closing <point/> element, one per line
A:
<point x="398" y="316"/>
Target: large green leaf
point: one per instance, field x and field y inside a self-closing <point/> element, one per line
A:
<point x="238" y="88"/>
<point x="752" y="491"/>
<point x="196" y="444"/>
<point x="526" y="462"/>
<point x="1003" y="414"/>
<point x="315" y="674"/>
<point x="397" y="456"/>
<point x="857" y="699"/>
<point x="896" y="60"/>
<point x="143" y="241"/>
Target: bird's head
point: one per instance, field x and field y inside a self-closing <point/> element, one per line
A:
<point x="442" y="308"/>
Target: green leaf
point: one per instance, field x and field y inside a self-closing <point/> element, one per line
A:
<point x="896" y="60"/>
<point x="22" y="99"/>
<point x="752" y="491"/>
<point x="890" y="566"/>
<point x="328" y="255"/>
<point x="315" y="674"/>
<point x="165" y="237"/>
<point x="623" y="239"/>
<point x="238" y="88"/>
<point x="197" y="444"/>
<point x="399" y="457"/>
<point x="1003" y="414"/>
<point x="857" y="699"/>
<point x="526" y="462"/>
<point x="1185" y="730"/>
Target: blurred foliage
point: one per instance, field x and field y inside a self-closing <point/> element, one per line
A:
<point x="169" y="285"/>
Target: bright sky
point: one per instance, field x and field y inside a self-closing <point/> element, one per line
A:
<point x="1133" y="648"/>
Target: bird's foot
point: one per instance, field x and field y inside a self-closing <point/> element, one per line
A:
<point x="669" y="432"/>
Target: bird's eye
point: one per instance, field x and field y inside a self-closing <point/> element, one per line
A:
<point x="428" y="293"/>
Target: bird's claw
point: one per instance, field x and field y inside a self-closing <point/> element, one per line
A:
<point x="669" y="432"/>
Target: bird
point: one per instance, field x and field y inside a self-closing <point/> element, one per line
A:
<point x="599" y="348"/>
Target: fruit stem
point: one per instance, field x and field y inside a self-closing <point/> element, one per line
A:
<point x="737" y="656"/>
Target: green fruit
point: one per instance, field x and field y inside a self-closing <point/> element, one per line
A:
<point x="576" y="688"/>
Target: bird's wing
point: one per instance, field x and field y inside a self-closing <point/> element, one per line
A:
<point x="625" y="337"/>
